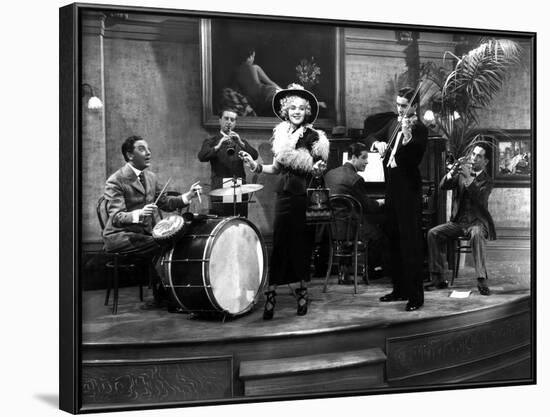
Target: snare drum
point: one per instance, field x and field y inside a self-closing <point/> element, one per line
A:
<point x="168" y="229"/>
<point x="216" y="266"/>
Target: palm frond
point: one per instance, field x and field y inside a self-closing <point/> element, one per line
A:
<point x="479" y="75"/>
<point x="469" y="87"/>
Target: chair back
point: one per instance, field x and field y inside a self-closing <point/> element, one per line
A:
<point x="347" y="218"/>
<point x="102" y="213"/>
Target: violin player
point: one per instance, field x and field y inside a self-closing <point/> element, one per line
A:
<point x="402" y="143"/>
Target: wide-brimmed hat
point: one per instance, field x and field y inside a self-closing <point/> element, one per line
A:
<point x="296" y="90"/>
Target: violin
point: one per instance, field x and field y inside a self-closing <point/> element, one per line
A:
<point x="408" y="121"/>
<point x="405" y="123"/>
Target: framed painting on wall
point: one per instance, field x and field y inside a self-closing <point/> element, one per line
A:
<point x="241" y="68"/>
<point x="513" y="160"/>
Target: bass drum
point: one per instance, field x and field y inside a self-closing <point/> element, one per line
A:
<point x="216" y="266"/>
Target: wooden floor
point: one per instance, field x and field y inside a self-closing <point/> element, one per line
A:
<point x="335" y="310"/>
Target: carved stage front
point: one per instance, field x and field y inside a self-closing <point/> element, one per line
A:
<point x="346" y="344"/>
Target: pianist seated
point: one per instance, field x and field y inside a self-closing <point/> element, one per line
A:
<point x="346" y="180"/>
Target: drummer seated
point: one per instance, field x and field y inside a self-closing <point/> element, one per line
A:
<point x="130" y="202"/>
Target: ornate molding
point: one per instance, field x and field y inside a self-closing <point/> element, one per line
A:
<point x="155" y="381"/>
<point x="411" y="356"/>
<point x="182" y="30"/>
<point x="93" y="23"/>
<point x="390" y="48"/>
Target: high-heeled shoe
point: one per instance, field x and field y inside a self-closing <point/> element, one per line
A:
<point x="302" y="300"/>
<point x="269" y="306"/>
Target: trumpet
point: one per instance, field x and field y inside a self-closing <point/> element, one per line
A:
<point x="231" y="144"/>
<point x="464" y="160"/>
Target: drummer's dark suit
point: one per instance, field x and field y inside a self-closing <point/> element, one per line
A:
<point x="404" y="211"/>
<point x="225" y="166"/>
<point x="124" y="193"/>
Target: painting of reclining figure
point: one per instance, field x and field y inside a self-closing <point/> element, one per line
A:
<point x="249" y="66"/>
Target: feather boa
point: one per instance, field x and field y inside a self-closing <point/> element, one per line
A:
<point x="285" y="151"/>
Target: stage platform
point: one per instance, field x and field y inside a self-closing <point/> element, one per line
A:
<point x="347" y="343"/>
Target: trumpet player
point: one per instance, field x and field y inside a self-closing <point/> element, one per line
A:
<point x="402" y="143"/>
<point x="470" y="217"/>
<point x="222" y="151"/>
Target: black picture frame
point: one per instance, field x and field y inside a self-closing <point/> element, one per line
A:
<point x="513" y="158"/>
<point x="223" y="42"/>
<point x="71" y="262"/>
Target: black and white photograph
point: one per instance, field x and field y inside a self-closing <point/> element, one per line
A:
<point x="293" y="210"/>
<point x="223" y="261"/>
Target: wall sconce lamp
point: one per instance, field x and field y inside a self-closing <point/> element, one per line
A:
<point x="430" y="117"/>
<point x="94" y="103"/>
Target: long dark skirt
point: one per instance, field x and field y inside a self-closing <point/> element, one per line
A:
<point x="292" y="241"/>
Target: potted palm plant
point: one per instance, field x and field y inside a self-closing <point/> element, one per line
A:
<point x="458" y="95"/>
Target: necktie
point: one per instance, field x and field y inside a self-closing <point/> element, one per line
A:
<point x="142" y="180"/>
<point x="147" y="220"/>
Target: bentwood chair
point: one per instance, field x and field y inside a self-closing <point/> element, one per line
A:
<point x="344" y="236"/>
<point x="463" y="245"/>
<point x="117" y="262"/>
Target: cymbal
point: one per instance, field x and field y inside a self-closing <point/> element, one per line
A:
<point x="239" y="189"/>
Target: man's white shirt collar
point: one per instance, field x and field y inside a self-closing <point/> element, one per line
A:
<point x="136" y="171"/>
<point x="135" y="213"/>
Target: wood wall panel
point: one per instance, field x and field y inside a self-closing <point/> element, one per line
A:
<point x="369" y="87"/>
<point x="93" y="142"/>
<point x="411" y="356"/>
<point x="511" y="207"/>
<point x="373" y="60"/>
<point x="155" y="381"/>
<point x="511" y="107"/>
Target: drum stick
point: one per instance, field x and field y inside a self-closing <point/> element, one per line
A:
<point x="199" y="196"/>
<point x="163" y="190"/>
